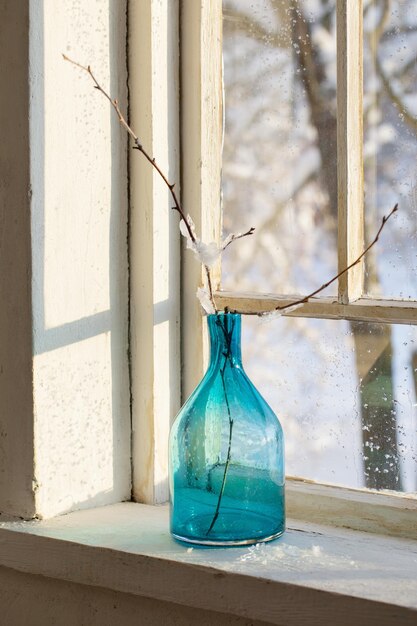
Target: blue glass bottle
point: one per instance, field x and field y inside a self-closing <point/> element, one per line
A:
<point x="226" y="453"/>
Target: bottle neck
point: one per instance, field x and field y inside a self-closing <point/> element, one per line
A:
<point x="224" y="332"/>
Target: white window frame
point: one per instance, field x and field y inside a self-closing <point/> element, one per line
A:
<point x="195" y="132"/>
<point x="199" y="136"/>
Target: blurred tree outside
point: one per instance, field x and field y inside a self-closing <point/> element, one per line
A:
<point x="280" y="175"/>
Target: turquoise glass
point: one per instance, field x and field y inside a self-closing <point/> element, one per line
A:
<point x="226" y="453"/>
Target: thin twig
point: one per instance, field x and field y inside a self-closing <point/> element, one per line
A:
<point x="332" y="280"/>
<point x="233" y="238"/>
<point x="138" y="146"/>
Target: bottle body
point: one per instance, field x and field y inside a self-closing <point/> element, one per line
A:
<point x="226" y="453"/>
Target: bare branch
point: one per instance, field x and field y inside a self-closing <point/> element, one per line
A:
<point x="395" y="97"/>
<point x="233" y="238"/>
<point x="332" y="280"/>
<point x="374" y="39"/>
<point x="138" y="146"/>
<point x="246" y="26"/>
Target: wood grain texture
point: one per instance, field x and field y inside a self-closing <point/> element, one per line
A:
<point x="365" y="309"/>
<point x="16" y="378"/>
<point x="313" y="574"/>
<point x="201" y="140"/>
<point x="350" y="147"/>
<point x="393" y="514"/>
<point x="29" y="600"/>
<point x="154" y="243"/>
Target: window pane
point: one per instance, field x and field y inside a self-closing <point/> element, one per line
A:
<point x="279" y="162"/>
<point x="390" y="148"/>
<point x="345" y="394"/>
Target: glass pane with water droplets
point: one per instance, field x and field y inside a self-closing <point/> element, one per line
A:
<point x="346" y="396"/>
<point x="390" y="145"/>
<point x="279" y="159"/>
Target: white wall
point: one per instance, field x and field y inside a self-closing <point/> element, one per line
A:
<point x="64" y="395"/>
<point x="79" y="256"/>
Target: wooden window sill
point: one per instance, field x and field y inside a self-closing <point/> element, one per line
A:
<point x="314" y="574"/>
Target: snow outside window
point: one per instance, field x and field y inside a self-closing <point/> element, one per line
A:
<point x="345" y="389"/>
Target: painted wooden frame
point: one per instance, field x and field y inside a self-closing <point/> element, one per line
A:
<point x="195" y="132"/>
<point x="364" y="309"/>
<point x="350" y="147"/>
<point x="154" y="244"/>
<point x="390" y="513"/>
<point x="161" y="65"/>
<point x="201" y="142"/>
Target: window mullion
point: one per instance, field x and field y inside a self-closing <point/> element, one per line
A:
<point x="349" y="146"/>
<point x="154" y="244"/>
<point x="363" y="309"/>
<point x="201" y="140"/>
